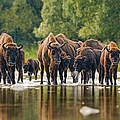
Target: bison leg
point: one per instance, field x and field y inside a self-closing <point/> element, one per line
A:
<point x="65" y="76"/>
<point x="20" y="76"/>
<point x="111" y="77"/>
<point x="0" y="77"/>
<point x="55" y="76"/>
<point x="30" y="76"/>
<point x="4" y="77"/>
<point x="93" y="75"/>
<point x="48" y="73"/>
<point x="42" y="72"/>
<point x="72" y="70"/>
<point x="4" y="73"/>
<point x="61" y="74"/>
<point x="115" y="76"/>
<point x="107" y="76"/>
<point x="82" y="76"/>
<point x="36" y="75"/>
<point x="13" y="74"/>
<point x="102" y="74"/>
<point x="8" y="78"/>
<point x="84" y="73"/>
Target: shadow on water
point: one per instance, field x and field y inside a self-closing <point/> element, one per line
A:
<point x="59" y="103"/>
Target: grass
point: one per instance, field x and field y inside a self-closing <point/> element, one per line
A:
<point x="30" y="51"/>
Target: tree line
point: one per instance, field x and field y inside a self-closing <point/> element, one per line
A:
<point x="32" y="20"/>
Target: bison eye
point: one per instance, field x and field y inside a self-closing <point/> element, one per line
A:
<point x="53" y="52"/>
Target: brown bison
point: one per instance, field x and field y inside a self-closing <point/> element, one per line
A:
<point x="49" y="56"/>
<point x="70" y="49"/>
<point x="86" y="61"/>
<point x="30" y="67"/>
<point x="8" y="54"/>
<point x="62" y="38"/>
<point x="109" y="62"/>
<point x="63" y="67"/>
<point x="95" y="44"/>
<point x="19" y="64"/>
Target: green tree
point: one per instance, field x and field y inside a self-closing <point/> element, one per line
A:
<point x="20" y="20"/>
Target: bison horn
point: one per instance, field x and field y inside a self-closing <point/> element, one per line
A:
<point x="49" y="45"/>
<point x="20" y="47"/>
<point x="3" y="45"/>
<point x="62" y="45"/>
<point x="107" y="49"/>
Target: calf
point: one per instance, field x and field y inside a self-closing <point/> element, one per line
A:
<point x="86" y="61"/>
<point x="109" y="63"/>
<point x="65" y="61"/>
<point x="31" y="66"/>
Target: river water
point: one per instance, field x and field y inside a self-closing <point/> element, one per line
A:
<point x="63" y="102"/>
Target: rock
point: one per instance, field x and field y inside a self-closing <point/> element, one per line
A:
<point x="85" y="111"/>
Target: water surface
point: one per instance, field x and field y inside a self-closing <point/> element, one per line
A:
<point x="59" y="103"/>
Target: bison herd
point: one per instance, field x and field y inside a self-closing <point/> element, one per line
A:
<point x="58" y="54"/>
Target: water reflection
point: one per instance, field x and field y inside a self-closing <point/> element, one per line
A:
<point x="59" y="103"/>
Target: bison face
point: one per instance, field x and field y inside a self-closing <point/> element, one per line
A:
<point x="11" y="56"/>
<point x="26" y="68"/>
<point x="113" y="56"/>
<point x="11" y="52"/>
<point x="78" y="63"/>
<point x="55" y="55"/>
<point x="54" y="52"/>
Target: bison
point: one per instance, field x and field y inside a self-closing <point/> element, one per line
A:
<point x="49" y="56"/>
<point x="63" y="67"/>
<point x="109" y="63"/>
<point x="8" y="54"/>
<point x="70" y="49"/>
<point x="30" y="67"/>
<point x="95" y="44"/>
<point x="19" y="64"/>
<point x="86" y="61"/>
<point x="97" y="47"/>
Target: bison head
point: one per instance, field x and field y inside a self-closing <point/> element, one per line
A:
<point x="26" y="67"/>
<point x="55" y="51"/>
<point x="10" y="53"/>
<point x="113" y="55"/>
<point x="79" y="63"/>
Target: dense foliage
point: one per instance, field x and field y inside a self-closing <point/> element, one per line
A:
<point x="19" y="17"/>
<point x="81" y="19"/>
<point x="27" y="20"/>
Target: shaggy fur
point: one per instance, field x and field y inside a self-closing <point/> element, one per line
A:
<point x="49" y="56"/>
<point x="86" y="61"/>
<point x="31" y="67"/>
<point x="109" y="62"/>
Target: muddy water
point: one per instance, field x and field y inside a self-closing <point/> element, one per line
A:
<point x="59" y="103"/>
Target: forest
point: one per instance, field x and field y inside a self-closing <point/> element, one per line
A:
<point x="29" y="21"/>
